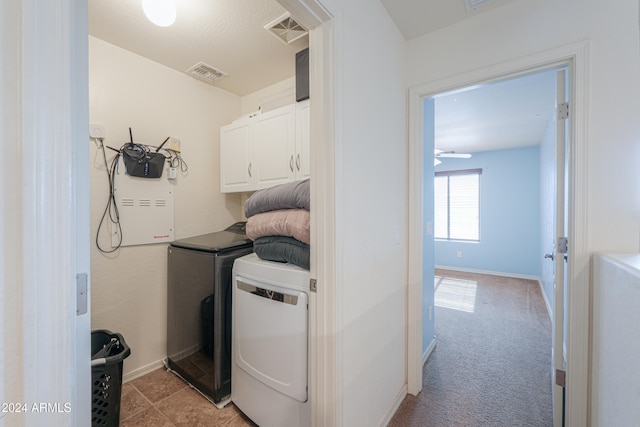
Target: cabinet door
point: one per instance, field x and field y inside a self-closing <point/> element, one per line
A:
<point x="303" y="140"/>
<point x="236" y="172"/>
<point x="274" y="147"/>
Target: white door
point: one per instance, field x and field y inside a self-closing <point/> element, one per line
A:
<point x="558" y="255"/>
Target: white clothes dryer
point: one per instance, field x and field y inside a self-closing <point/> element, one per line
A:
<point x="270" y="342"/>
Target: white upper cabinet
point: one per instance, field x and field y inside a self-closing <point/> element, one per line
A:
<point x="274" y="141"/>
<point x="265" y="150"/>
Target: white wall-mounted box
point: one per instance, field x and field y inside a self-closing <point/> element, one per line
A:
<point x="145" y="207"/>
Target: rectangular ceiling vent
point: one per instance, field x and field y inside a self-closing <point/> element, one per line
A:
<point x="473" y="5"/>
<point x="286" y="29"/>
<point x="204" y="72"/>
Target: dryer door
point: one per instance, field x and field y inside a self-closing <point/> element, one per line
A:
<point x="270" y="335"/>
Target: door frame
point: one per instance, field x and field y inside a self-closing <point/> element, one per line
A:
<point x="323" y="360"/>
<point x="575" y="57"/>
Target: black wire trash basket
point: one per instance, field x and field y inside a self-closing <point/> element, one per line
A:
<point x="108" y="351"/>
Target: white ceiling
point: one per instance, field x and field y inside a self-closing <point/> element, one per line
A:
<point x="229" y="35"/>
<point x="416" y="18"/>
<point x="507" y="114"/>
<point x="226" y="34"/>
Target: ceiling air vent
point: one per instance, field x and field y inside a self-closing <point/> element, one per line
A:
<point x="204" y="72"/>
<point x="286" y="29"/>
<point x="473" y="5"/>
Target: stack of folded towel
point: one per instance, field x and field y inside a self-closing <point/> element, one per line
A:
<point x="278" y="222"/>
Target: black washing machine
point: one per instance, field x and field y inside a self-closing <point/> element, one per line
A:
<point x="199" y="309"/>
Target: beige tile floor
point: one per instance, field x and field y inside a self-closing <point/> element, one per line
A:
<point x="161" y="399"/>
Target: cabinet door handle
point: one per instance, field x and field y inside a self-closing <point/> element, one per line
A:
<point x="249" y="170"/>
<point x="298" y="162"/>
<point x="291" y="163"/>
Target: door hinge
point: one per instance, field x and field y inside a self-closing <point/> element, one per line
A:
<point x="561" y="377"/>
<point x="563" y="111"/>
<point x="81" y="293"/>
<point x="562" y="245"/>
<point x="313" y="285"/>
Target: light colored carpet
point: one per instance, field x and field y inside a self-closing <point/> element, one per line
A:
<point x="492" y="362"/>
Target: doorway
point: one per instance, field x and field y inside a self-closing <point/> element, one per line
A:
<point x="421" y="232"/>
<point x="494" y="171"/>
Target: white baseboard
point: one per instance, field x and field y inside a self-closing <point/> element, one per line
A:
<point x="429" y="350"/>
<point x="403" y="392"/>
<point x="394" y="408"/>
<point x="546" y="300"/>
<point x="137" y="373"/>
<point x="493" y="273"/>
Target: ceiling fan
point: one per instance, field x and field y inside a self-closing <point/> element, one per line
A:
<point x="451" y="154"/>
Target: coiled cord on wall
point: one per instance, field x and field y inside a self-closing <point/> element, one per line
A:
<point x="111" y="209"/>
<point x="176" y="161"/>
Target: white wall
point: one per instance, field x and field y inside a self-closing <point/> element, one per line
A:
<point x="371" y="212"/>
<point x="129" y="287"/>
<point x="11" y="256"/>
<point x="269" y="98"/>
<point x="11" y="260"/>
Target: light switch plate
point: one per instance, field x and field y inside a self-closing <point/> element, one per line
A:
<point x="97" y="131"/>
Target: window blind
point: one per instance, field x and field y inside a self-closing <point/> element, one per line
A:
<point x="457" y="205"/>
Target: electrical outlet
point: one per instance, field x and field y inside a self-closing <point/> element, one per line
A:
<point x="396" y="234"/>
<point x="173" y="144"/>
<point x="428" y="226"/>
<point x="459" y="254"/>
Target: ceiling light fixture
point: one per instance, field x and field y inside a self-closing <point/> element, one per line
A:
<point x="160" y="12"/>
<point x="441" y="153"/>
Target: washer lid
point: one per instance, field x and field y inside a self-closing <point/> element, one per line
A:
<point x="233" y="237"/>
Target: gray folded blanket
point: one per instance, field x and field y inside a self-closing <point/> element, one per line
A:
<point x="282" y="249"/>
<point x="292" y="195"/>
